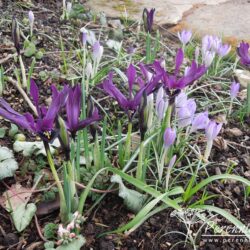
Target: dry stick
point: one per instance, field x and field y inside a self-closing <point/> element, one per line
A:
<point x="39" y="229"/>
<point x="2" y="61"/>
<point x="22" y="92"/>
<point x="96" y="190"/>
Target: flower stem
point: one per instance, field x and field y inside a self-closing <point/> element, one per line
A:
<point x="24" y="79"/>
<point x="139" y="170"/>
<point x="63" y="208"/>
<point x="128" y="142"/>
<point x="208" y="149"/>
<point x="162" y="163"/>
<point x="248" y="99"/>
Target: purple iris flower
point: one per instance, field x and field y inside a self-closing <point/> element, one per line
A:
<point x="133" y="101"/>
<point x="175" y="81"/>
<point x="148" y="19"/>
<point x="73" y="110"/>
<point x="242" y="51"/>
<point x="43" y="125"/>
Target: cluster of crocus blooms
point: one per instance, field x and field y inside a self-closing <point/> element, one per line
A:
<point x="185" y="36"/>
<point x="68" y="233"/>
<point x="148" y="19"/>
<point x="212" y="45"/>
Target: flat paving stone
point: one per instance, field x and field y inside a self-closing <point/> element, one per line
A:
<point x="230" y="20"/>
<point x="167" y="11"/>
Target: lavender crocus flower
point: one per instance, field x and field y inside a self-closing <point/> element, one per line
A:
<point x="200" y="121"/>
<point x="161" y="104"/>
<point x="223" y="50"/>
<point x="243" y="53"/>
<point x="169" y="137"/>
<point x="175" y="81"/>
<point x="44" y="124"/>
<point x="73" y="110"/>
<point x="212" y="130"/>
<point x="88" y="35"/>
<point x="208" y="57"/>
<point x="148" y="19"/>
<point x="185" y="36"/>
<point x="234" y="90"/>
<point x="185" y="114"/>
<point x="181" y="100"/>
<point x="97" y="52"/>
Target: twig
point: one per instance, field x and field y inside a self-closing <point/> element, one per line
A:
<point x="22" y="92"/>
<point x="9" y="56"/>
<point x="39" y="229"/>
<point x="96" y="190"/>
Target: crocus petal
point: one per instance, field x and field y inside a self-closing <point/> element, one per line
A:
<point x="169" y="137"/>
<point x="212" y="130"/>
<point x="234" y="89"/>
<point x="200" y="121"/>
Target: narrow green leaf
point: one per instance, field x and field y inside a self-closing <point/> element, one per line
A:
<point x="205" y="182"/>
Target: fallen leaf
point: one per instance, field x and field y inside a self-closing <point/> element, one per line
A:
<point x="233" y="132"/>
<point x="16" y="195"/>
<point x="8" y="164"/>
<point x="220" y="143"/>
<point x="23" y="215"/>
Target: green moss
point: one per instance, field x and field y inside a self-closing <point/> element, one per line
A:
<point x="130" y="6"/>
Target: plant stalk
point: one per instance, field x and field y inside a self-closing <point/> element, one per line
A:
<point x="63" y="208"/>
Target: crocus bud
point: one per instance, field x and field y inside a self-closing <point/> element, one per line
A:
<point x="31" y="18"/>
<point x="184" y="36"/>
<point x="63" y="137"/>
<point x="169" y="137"/>
<point x="16" y="35"/>
<point x="223" y="50"/>
<point x="97" y="51"/>
<point x="234" y="90"/>
<point x="89" y="70"/>
<point x="161" y="104"/>
<point x="200" y="121"/>
<point x="212" y="130"/>
<point x="208" y="57"/>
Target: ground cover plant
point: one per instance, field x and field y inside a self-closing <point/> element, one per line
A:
<point x="118" y="134"/>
